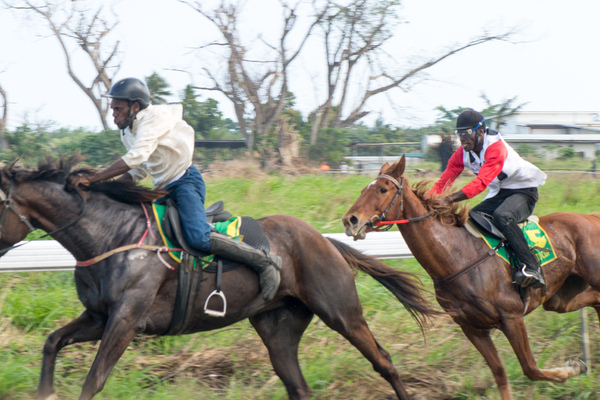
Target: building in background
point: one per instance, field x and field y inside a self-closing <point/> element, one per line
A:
<point x="549" y="131"/>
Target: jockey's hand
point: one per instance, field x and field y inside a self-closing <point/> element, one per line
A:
<point x="442" y="202"/>
<point x="80" y="181"/>
<point x="457" y="196"/>
<point x="448" y="200"/>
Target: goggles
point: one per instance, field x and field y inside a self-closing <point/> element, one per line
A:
<point x="467" y="133"/>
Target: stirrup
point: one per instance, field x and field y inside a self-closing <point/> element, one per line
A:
<point x="536" y="281"/>
<point x="526" y="274"/>
<point x="216" y="313"/>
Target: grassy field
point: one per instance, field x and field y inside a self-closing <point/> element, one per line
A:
<point x="232" y="363"/>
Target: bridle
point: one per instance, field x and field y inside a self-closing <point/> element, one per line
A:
<point x="378" y="220"/>
<point x="5" y="200"/>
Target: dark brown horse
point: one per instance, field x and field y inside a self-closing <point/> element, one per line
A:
<point x="132" y="292"/>
<point x="484" y="298"/>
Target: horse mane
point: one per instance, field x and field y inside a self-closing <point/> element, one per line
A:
<point x="453" y="214"/>
<point x="49" y="169"/>
<point x="126" y="192"/>
<point x="60" y="170"/>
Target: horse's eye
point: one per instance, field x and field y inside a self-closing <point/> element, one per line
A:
<point x="383" y="190"/>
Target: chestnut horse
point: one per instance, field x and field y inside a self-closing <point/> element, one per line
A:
<point x="483" y="297"/>
<point x="133" y="292"/>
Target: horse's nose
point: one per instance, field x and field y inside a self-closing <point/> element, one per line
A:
<point x="350" y="220"/>
<point x="353" y="220"/>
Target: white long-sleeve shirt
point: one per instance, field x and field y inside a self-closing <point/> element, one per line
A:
<point x="161" y="143"/>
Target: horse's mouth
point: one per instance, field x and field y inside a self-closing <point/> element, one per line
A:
<point x="357" y="234"/>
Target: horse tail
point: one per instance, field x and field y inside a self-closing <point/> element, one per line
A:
<point x="405" y="286"/>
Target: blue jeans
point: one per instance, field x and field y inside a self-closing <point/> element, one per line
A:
<point x="189" y="193"/>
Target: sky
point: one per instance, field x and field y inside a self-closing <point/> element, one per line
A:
<point x="553" y="66"/>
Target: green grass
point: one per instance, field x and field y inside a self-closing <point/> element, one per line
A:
<point x="232" y="363"/>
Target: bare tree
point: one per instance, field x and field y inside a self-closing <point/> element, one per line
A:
<point x="358" y="67"/>
<point x="257" y="88"/>
<point x="3" y="119"/>
<point x="90" y="30"/>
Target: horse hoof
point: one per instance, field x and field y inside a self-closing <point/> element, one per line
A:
<point x="577" y="367"/>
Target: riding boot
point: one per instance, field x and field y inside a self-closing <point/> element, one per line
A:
<point x="530" y="273"/>
<point x="266" y="265"/>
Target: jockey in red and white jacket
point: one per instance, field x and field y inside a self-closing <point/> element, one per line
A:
<point x="497" y="166"/>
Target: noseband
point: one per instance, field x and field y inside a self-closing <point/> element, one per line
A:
<point x="378" y="220"/>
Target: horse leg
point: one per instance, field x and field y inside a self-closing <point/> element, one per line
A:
<point x="515" y="332"/>
<point x="355" y="329"/>
<point x="281" y="330"/>
<point x="561" y="304"/>
<point x="480" y="338"/>
<point x="121" y="327"/>
<point x="344" y="315"/>
<point x="84" y="328"/>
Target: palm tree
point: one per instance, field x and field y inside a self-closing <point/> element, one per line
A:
<point x="158" y="88"/>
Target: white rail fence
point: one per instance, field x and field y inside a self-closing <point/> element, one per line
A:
<point x="49" y="255"/>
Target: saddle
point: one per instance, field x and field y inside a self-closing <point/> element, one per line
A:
<point x="190" y="276"/>
<point x="480" y="225"/>
<point x="171" y="224"/>
<point x="248" y="229"/>
<point x="483" y="223"/>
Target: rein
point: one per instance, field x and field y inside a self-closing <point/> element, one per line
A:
<point x="5" y="200"/>
<point x="377" y="221"/>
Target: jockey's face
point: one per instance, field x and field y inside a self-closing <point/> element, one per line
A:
<point x="474" y="142"/>
<point x="121" y="112"/>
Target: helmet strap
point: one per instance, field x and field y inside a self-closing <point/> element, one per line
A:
<point x="129" y="117"/>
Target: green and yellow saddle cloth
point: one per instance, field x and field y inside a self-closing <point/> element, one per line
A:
<point x="231" y="227"/>
<point x="535" y="235"/>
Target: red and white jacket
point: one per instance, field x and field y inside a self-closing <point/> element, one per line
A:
<point x="497" y="166"/>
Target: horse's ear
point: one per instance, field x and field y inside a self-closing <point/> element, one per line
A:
<point x="10" y="167"/>
<point x="400" y="166"/>
<point x="384" y="168"/>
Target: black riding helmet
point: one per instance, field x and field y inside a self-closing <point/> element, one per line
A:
<point x="130" y="89"/>
<point x="469" y="119"/>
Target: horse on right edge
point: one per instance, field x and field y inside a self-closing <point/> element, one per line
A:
<point x="475" y="287"/>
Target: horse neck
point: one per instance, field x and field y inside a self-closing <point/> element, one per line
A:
<point x="105" y="224"/>
<point x="430" y="241"/>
